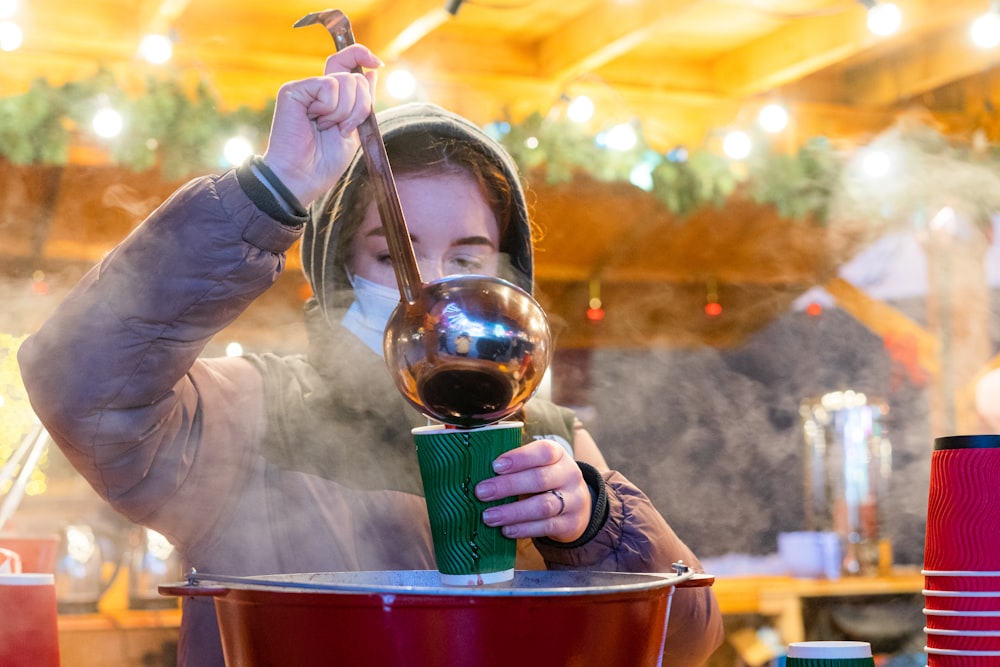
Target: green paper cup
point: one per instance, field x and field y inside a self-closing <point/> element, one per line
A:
<point x="830" y="654"/>
<point x="452" y="462"/>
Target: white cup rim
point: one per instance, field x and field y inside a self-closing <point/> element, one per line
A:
<point x="955" y="651"/>
<point x="960" y="573"/>
<point x="27" y="579"/>
<point x="830" y="649"/>
<point x="960" y="594"/>
<point x="962" y="633"/>
<point x="441" y="428"/>
<point x="957" y="612"/>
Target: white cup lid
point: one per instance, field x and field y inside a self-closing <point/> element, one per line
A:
<point x="27" y="579"/>
<point x="829" y="650"/>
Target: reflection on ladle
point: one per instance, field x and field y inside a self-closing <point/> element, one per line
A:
<point x="505" y="333"/>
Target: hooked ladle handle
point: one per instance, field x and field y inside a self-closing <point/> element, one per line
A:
<point x="397" y="236"/>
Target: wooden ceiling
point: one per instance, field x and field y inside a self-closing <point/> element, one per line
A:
<point x="682" y="69"/>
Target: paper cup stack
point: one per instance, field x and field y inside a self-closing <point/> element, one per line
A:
<point x="962" y="552"/>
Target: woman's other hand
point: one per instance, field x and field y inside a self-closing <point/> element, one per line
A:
<point x="554" y="500"/>
<point x="313" y="133"/>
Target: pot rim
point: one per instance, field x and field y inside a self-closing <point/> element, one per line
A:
<point x="526" y="583"/>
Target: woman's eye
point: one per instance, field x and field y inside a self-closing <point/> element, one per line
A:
<point x="383" y="258"/>
<point x="467" y="264"/>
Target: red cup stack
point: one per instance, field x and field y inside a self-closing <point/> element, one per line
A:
<point x="29" y="635"/>
<point x="962" y="552"/>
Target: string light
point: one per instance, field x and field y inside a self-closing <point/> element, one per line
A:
<point x="234" y="350"/>
<point x="401" y="84"/>
<point x="985" y="30"/>
<point x="581" y="109"/>
<point x="595" y="308"/>
<point x="876" y="164"/>
<point x="884" y="18"/>
<point x="11" y="36"/>
<point x="156" y="49"/>
<point x="236" y="150"/>
<point x="712" y="306"/>
<point x="107" y="123"/>
<point x="737" y="144"/>
<point x="621" y="137"/>
<point x="773" y="118"/>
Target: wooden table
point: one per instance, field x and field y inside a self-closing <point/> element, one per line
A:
<point x="782" y="597"/>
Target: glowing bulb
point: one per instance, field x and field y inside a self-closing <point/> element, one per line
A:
<point x="401" y="84"/>
<point x="108" y="123"/>
<point x="737" y="145"/>
<point x="581" y="109"/>
<point x="7" y="8"/>
<point x="10" y="36"/>
<point x="621" y="137"/>
<point x="156" y="49"/>
<point x="236" y="150"/>
<point x="773" y="118"/>
<point x="531" y="143"/>
<point x="986" y="30"/>
<point x="641" y="176"/>
<point x="234" y="350"/>
<point x="884" y="19"/>
<point x="876" y="164"/>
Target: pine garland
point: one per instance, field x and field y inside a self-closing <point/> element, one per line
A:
<point x="185" y="133"/>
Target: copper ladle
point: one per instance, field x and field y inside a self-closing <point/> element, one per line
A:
<point x="466" y="350"/>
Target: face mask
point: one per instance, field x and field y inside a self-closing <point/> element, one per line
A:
<point x="369" y="313"/>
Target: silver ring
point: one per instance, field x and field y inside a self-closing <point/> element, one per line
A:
<point x="562" y="501"/>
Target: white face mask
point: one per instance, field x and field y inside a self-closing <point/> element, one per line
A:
<point x="369" y="313"/>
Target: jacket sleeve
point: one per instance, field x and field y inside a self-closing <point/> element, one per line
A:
<point x="114" y="374"/>
<point x="636" y="538"/>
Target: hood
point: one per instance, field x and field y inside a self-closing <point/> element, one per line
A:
<point x="323" y="237"/>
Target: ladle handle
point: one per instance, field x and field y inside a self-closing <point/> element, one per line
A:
<point x="397" y="236"/>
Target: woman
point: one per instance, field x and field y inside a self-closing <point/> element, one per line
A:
<point x="266" y="464"/>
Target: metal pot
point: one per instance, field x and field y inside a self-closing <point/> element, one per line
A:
<point x="503" y="330"/>
<point x="391" y="618"/>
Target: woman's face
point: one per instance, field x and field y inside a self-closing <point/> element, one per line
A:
<point x="452" y="229"/>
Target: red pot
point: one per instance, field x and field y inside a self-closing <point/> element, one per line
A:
<point x="393" y="618"/>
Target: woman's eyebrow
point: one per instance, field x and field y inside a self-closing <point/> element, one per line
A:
<point x="465" y="240"/>
<point x="474" y="240"/>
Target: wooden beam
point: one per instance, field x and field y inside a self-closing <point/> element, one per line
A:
<point x="602" y="34"/>
<point x="800" y="48"/>
<point x="883" y="320"/>
<point x="159" y="15"/>
<point x="935" y="62"/>
<point x="394" y="26"/>
<point x="808" y="45"/>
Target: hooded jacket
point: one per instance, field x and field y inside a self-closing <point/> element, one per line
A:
<point x="266" y="464"/>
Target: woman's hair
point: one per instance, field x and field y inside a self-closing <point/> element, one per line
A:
<point x="419" y="154"/>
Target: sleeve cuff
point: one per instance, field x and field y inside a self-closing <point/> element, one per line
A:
<point x="264" y="199"/>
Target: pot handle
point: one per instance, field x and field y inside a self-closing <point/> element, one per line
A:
<point x="184" y="589"/>
<point x="697" y="581"/>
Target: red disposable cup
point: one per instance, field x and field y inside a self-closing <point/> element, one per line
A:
<point x="963" y="504"/>
<point x="29" y="633"/>
<point x="966" y="581"/>
<point x="957" y="659"/>
<point x="957" y="620"/>
<point x="964" y="640"/>
<point x="962" y="601"/>
<point x="38" y="554"/>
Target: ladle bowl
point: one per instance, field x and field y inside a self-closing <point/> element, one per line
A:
<point x="469" y="351"/>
